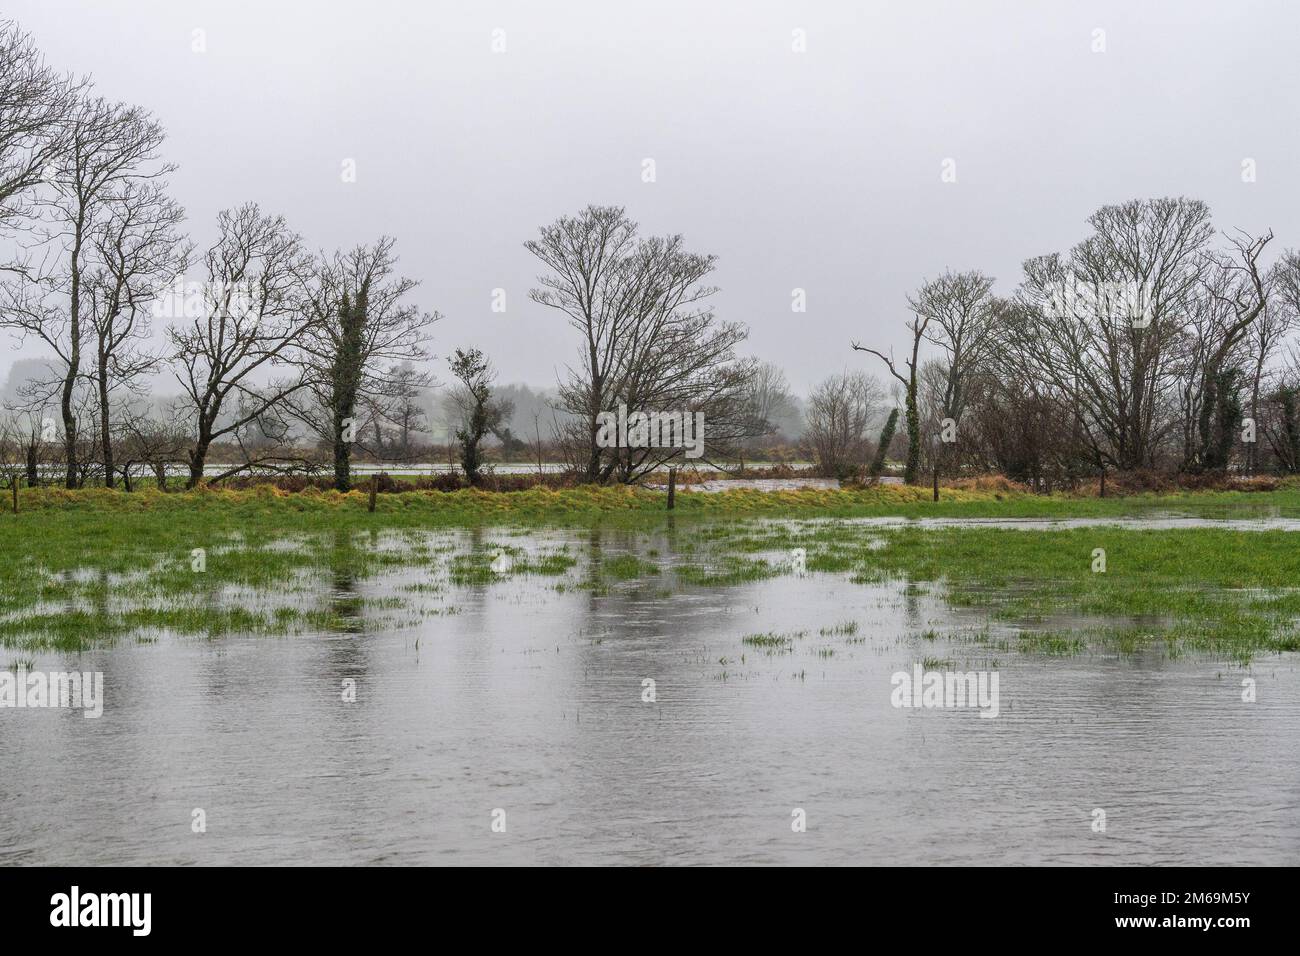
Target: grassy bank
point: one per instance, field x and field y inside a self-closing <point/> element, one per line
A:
<point x="586" y="504"/>
<point x="94" y="566"/>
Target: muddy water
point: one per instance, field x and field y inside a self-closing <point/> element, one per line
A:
<point x="514" y="701"/>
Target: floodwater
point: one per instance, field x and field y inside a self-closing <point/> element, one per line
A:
<point x="761" y="484"/>
<point x="519" y="704"/>
<point x="431" y="468"/>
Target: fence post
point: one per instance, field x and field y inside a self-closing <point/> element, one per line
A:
<point x="374" y="489"/>
<point x="672" y="488"/>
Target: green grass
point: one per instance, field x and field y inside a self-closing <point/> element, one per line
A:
<point x="590" y="504"/>
<point x="936" y="663"/>
<point x="95" y="566"/>
<point x="628" y="567"/>
<point x="1221" y="591"/>
<point x="769" y="643"/>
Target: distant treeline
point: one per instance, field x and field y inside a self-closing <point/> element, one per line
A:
<point x="1152" y="344"/>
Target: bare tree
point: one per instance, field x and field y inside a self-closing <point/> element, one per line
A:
<point x="1020" y="424"/>
<point x="537" y="445"/>
<point x="1244" y="296"/>
<point x="111" y="149"/>
<point x="35" y="105"/>
<point x="156" y="440"/>
<point x="1280" y="425"/>
<point x="590" y="285"/>
<point x="1199" y="351"/>
<point x="917" y="327"/>
<point x="138" y="251"/>
<point x="1100" y="325"/>
<point x="649" y="337"/>
<point x="840" y="412"/>
<point x="960" y="309"/>
<point x="1280" y="317"/>
<point x="252" y="318"/>
<point x="12" y="456"/>
<point x="397" y="403"/>
<point x="767" y="399"/>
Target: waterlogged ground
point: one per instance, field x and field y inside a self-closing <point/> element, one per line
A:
<point x="500" y="675"/>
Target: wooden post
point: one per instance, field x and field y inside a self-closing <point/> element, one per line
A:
<point x="938" y="459"/>
<point x="1103" y="482"/>
<point x="14" y="484"/>
<point x="672" y="488"/>
<point x="374" y="490"/>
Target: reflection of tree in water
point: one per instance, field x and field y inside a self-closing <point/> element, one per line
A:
<point x="595" y="558"/>
<point x="346" y="659"/>
<point x="100" y="594"/>
<point x="346" y="602"/>
<point x="912" y="604"/>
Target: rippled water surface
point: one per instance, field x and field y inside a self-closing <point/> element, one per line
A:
<point x="525" y="695"/>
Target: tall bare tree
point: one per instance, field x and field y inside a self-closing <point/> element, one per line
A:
<point x="1101" y="324"/>
<point x="138" y="251"/>
<point x="251" y="322"/>
<point x="1238" y="298"/>
<point x="650" y="338"/>
<point x="111" y="148"/>
<point x="589" y="283"/>
<point x="960" y="309"/>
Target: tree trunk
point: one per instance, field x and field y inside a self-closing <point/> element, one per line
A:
<point x="342" y="458"/>
<point x="105" y="437"/>
<point x="69" y="425"/>
<point x="594" y="449"/>
<point x="74" y="365"/>
<point x="1252" y="453"/>
<point x="198" y="457"/>
<point x="912" y="471"/>
<point x="347" y="383"/>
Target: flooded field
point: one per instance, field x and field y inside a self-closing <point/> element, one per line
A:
<point x="611" y="696"/>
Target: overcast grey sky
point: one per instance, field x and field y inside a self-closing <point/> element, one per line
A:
<point x="818" y="170"/>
